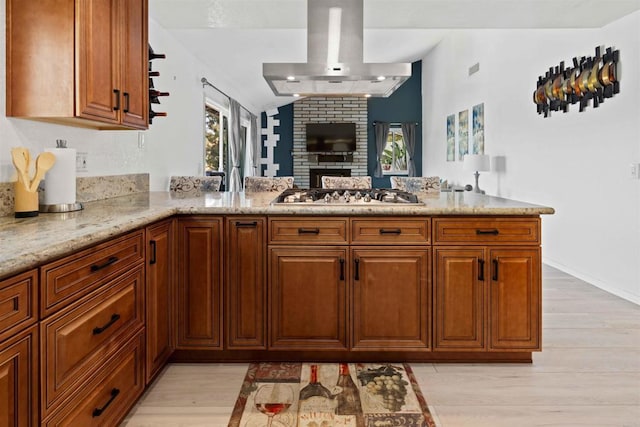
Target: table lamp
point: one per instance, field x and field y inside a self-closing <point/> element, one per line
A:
<point x="478" y="163"/>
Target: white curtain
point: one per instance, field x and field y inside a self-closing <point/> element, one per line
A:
<point x="382" y="131"/>
<point x="409" y="134"/>
<point x="235" y="145"/>
<point x="256" y="149"/>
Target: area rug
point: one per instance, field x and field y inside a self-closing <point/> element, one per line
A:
<point x="330" y="395"/>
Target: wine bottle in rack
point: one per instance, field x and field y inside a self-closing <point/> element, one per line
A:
<point x="153" y="114"/>
<point x="153" y="55"/>
<point x="154" y="94"/>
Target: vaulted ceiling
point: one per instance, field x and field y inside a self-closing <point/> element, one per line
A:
<point x="242" y="34"/>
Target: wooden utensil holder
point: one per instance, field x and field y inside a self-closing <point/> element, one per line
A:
<point x="26" y="202"/>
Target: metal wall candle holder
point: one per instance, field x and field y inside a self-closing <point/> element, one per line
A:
<point x="591" y="78"/>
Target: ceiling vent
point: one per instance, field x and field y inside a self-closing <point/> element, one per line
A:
<point x="334" y="57"/>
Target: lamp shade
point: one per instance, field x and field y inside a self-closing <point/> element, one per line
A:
<point x="477" y="162"/>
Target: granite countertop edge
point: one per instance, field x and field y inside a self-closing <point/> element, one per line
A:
<point x="30" y="242"/>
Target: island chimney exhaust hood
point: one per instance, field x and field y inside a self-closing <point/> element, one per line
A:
<point x="334" y="58"/>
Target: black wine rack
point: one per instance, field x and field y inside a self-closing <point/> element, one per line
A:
<point x="154" y="94"/>
<point x="591" y="79"/>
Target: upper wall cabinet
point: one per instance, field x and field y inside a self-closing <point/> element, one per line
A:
<point x="80" y="63"/>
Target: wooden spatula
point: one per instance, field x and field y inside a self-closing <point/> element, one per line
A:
<point x="44" y="162"/>
<point x="20" y="156"/>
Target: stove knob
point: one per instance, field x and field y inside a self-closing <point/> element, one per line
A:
<point x="366" y="198"/>
<point x="327" y="198"/>
<point x="346" y="194"/>
<point x="358" y="195"/>
<point x="335" y="195"/>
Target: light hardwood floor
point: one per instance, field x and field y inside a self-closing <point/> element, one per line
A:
<point x="588" y="374"/>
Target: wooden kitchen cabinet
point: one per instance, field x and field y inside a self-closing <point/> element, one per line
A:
<point x="460" y="299"/>
<point x="159" y="296"/>
<point x="487" y="289"/>
<point x="515" y="298"/>
<point x="391" y="298"/>
<point x="308" y="298"/>
<point x="245" y="284"/>
<point x="199" y="282"/>
<point x="81" y="63"/>
<point x="19" y="379"/>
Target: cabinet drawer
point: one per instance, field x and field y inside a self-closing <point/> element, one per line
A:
<point x="316" y="230"/>
<point x="393" y="231"/>
<point x="495" y="231"/>
<point x="70" y="278"/>
<point x="80" y="337"/>
<point x="17" y="303"/>
<point x="106" y="398"/>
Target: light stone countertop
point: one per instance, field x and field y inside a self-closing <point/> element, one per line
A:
<point x="28" y="242"/>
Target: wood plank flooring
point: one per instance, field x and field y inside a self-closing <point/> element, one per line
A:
<point x="588" y="374"/>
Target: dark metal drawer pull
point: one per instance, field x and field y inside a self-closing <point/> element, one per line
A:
<point x="117" y="106"/>
<point x="341" y="269"/>
<point x="98" y="330"/>
<point x="308" y="231"/>
<point x="247" y="224"/>
<point x="110" y="261"/>
<point x="495" y="270"/>
<point x="98" y="411"/>
<point x="481" y="270"/>
<point x="126" y="102"/>
<point x="356" y="275"/>
<point x="394" y="231"/>
<point x="493" y="232"/>
<point x="153" y="252"/>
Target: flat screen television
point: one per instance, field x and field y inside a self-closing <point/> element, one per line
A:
<point x="331" y="137"/>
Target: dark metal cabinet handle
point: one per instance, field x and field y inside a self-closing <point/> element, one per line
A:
<point x="493" y="232"/>
<point x="247" y="224"/>
<point x="308" y="231"/>
<point x="356" y="275"/>
<point x="126" y="102"/>
<point x="394" y="231"/>
<point x="153" y="252"/>
<point x="481" y="270"/>
<point x="100" y="329"/>
<point x="117" y="93"/>
<point x="341" y="269"/>
<point x="111" y="260"/>
<point x="495" y="270"/>
<point x="98" y="411"/>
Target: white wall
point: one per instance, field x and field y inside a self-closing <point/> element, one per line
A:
<point x="172" y="145"/>
<point x="578" y="163"/>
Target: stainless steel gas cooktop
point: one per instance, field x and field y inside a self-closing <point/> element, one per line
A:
<point x="356" y="197"/>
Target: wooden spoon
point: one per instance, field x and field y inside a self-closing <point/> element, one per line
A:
<point x="19" y="155"/>
<point x="43" y="164"/>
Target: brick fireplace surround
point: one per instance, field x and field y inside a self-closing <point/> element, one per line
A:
<point x="327" y="110"/>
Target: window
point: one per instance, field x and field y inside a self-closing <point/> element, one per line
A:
<point x="216" y="140"/>
<point x="394" y="156"/>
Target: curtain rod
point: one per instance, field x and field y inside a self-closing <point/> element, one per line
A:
<point x="395" y="123"/>
<point x="206" y="82"/>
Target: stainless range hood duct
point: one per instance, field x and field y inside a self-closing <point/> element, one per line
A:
<point x="334" y="57"/>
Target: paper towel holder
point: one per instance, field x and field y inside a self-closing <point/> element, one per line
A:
<point x="61" y="207"/>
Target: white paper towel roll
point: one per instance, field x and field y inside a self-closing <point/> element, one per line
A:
<point x="60" y="180"/>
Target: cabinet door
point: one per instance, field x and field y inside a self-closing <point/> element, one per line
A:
<point x="246" y="283"/>
<point x="199" y="296"/>
<point x="459" y="293"/>
<point x="19" y="380"/>
<point x="135" y="91"/>
<point x="391" y="302"/>
<point x="515" y="299"/>
<point x="97" y="91"/>
<point x="159" y="296"/>
<point x="308" y="298"/>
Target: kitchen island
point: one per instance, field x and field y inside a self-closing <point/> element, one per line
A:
<point x="106" y="296"/>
